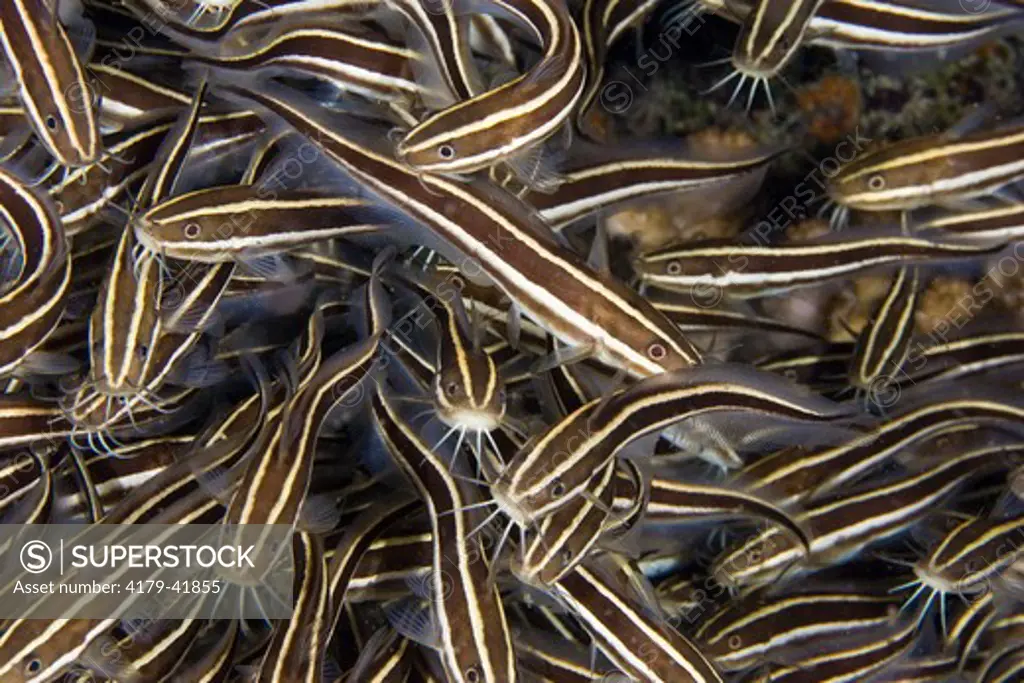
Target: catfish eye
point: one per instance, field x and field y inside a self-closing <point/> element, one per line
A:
<point x="472" y="675"/>
<point x="446" y="152"/>
<point x="143" y="351"/>
<point x="656" y="351"/>
<point x="33" y="665"/>
<point x="674" y="268"/>
<point x="451" y="388"/>
<point x="876" y="183"/>
<point x="558" y="489"/>
<point x="51" y="122"/>
<point x="192" y="231"/>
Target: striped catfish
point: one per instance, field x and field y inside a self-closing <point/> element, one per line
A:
<point x="196" y="11"/>
<point x="221" y="448"/>
<point x="772" y="30"/>
<point x="176" y="330"/>
<point x="83" y="194"/>
<point x="12" y="117"/>
<point x="792" y="476"/>
<point x="237" y="21"/>
<point x="890" y="25"/>
<point x="1003" y="223"/>
<point x="134" y="283"/>
<point x="761" y="626"/>
<point x="970" y="556"/>
<point x="143" y="326"/>
<point x="52" y="84"/>
<point x="473" y="633"/>
<point x="467" y="388"/>
<point x="549" y="619"/>
<point x="602" y="179"/>
<point x="554" y="468"/>
<point x="745" y="270"/>
<point x="22" y="472"/>
<point x="687" y="590"/>
<point x="548" y="282"/>
<point x="487" y="37"/>
<point x="966" y="628"/>
<point x="506" y="121"/>
<point x="296" y="651"/>
<point x="34" y="503"/>
<point x="859" y="661"/>
<point x="931" y="169"/>
<point x="771" y="34"/>
<point x="223" y="223"/>
<point x="275" y="485"/>
<point x="32" y="303"/>
<point x="1007" y="624"/>
<point x="769" y="37"/>
<point x="361" y="62"/>
<point x="113" y="478"/>
<point x="555" y="544"/>
<point x="844" y="524"/>
<point x="638" y="642"/>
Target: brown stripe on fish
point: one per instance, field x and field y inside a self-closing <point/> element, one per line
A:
<point x="745" y="270"/>
<point x="790" y="476"/>
<point x="32" y="304"/>
<point x="227" y="222"/>
<point x="52" y="84"/>
<point x="296" y="652"/>
<point x="931" y="169"/>
<point x="475" y="640"/>
<point x="508" y="120"/>
<point x="554" y="467"/>
<point x="641" y="645"/>
<point x="843" y="525"/>
<point x="510" y="248"/>
<point x="760" y="626"/>
<point x="557" y="543"/>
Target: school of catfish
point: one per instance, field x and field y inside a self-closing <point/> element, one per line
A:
<point x="346" y="266"/>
